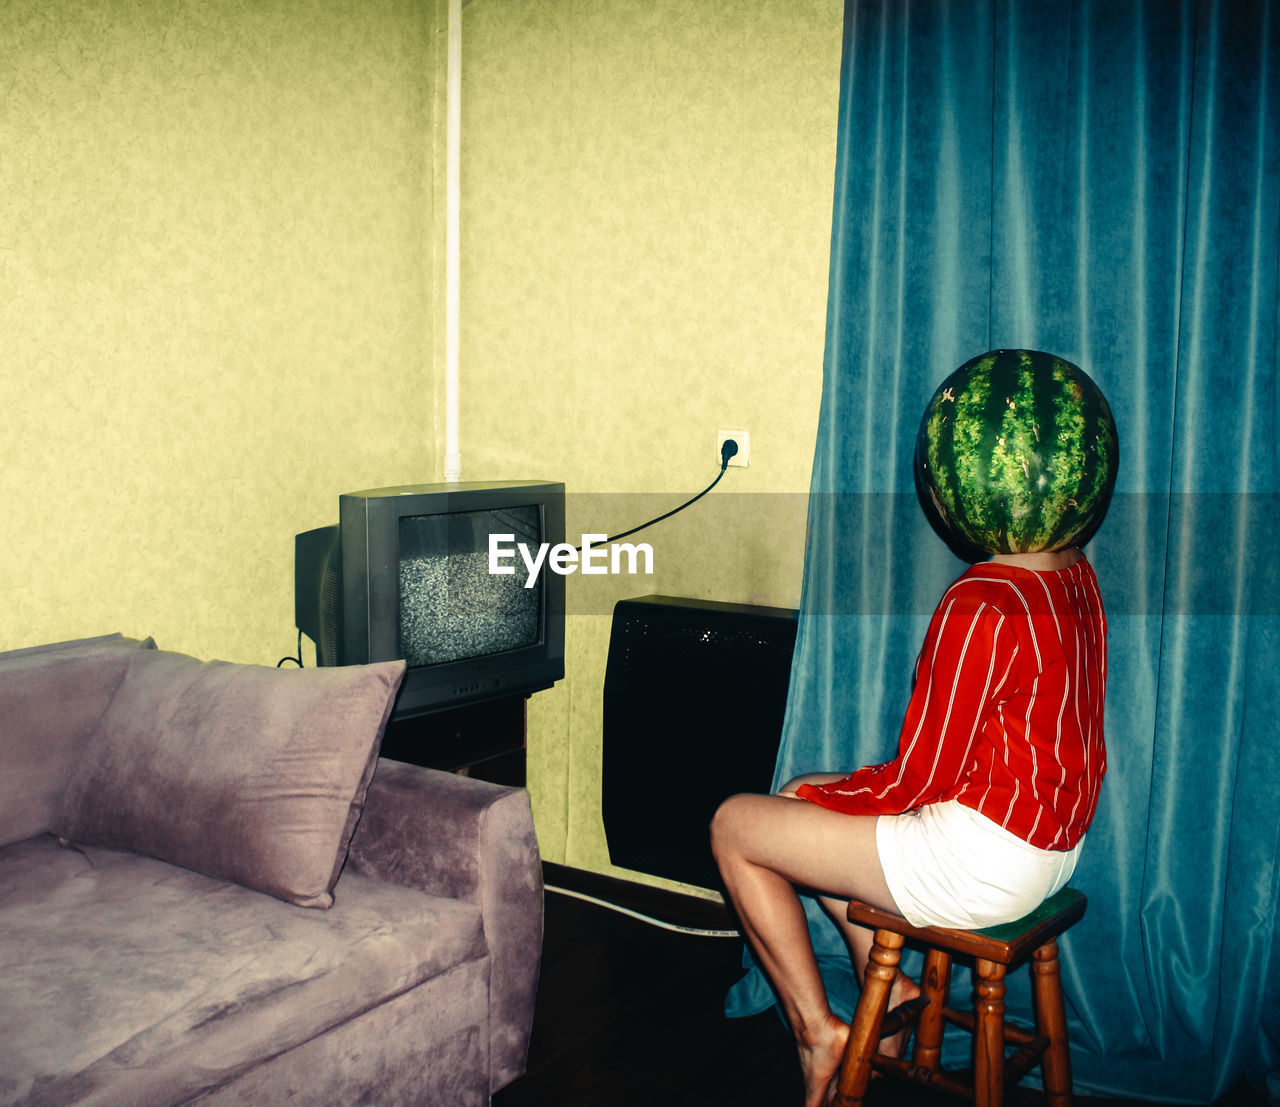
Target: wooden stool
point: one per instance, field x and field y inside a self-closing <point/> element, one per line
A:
<point x="996" y="950"/>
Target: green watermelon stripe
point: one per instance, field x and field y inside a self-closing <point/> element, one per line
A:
<point x="1017" y="453"/>
<point x="1045" y="412"/>
<point x="971" y="449"/>
<point x="942" y="458"/>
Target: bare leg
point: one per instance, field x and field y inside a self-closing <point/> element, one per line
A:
<point x="765" y="847"/>
<point x="859" y="939"/>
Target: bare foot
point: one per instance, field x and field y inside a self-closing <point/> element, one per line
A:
<point x="821" y="1051"/>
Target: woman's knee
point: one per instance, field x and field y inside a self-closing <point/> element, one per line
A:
<point x="727" y="822"/>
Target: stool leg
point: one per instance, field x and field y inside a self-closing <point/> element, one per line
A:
<point x="864" y="1035"/>
<point x="988" y="1038"/>
<point x="1051" y="1021"/>
<point x="935" y="982"/>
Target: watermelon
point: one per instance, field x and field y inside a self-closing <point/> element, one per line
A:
<point x="1018" y="452"/>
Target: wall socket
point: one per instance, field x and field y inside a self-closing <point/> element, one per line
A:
<point x="743" y="439"/>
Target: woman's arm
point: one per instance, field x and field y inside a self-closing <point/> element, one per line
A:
<point x="789" y="789"/>
<point x="968" y="655"/>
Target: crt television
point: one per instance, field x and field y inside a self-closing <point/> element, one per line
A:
<point x="405" y="573"/>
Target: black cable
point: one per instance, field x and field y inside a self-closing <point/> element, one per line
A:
<point x="296" y="660"/>
<point x="727" y="450"/>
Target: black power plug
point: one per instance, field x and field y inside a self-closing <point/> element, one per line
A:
<point x="728" y="449"/>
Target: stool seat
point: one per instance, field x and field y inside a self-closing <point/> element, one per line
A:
<point x="995" y="951"/>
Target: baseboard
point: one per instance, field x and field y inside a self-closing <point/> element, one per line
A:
<point x="674" y="908"/>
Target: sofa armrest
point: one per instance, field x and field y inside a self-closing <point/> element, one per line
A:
<point x="469" y="840"/>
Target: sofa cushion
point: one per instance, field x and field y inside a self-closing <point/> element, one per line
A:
<point x="244" y="772"/>
<point x="51" y="698"/>
<point x="133" y="981"/>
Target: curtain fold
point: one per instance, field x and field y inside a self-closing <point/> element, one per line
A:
<point x="1101" y="181"/>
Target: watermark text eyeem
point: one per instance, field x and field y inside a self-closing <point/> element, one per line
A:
<point x="595" y="559"/>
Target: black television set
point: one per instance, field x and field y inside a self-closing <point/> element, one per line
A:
<point x="407" y="573"/>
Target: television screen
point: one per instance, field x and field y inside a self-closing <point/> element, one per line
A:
<point x="451" y="606"/>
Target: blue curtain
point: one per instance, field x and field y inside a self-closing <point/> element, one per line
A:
<point x="1100" y="180"/>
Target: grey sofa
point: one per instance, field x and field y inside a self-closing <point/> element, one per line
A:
<point x="213" y="891"/>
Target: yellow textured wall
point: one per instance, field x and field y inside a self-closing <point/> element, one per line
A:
<point x="219" y="228"/>
<point x="216" y="248"/>
<point x="647" y="192"/>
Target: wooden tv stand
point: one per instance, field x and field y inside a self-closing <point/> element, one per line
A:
<point x="484" y="740"/>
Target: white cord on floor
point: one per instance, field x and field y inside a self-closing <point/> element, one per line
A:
<point x="643" y="917"/>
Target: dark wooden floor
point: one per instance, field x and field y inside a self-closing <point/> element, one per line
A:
<point x="631" y="1015"/>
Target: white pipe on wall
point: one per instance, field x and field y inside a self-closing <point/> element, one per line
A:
<point x="453" y="208"/>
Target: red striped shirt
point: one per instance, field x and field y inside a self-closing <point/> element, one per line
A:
<point x="1006" y="712"/>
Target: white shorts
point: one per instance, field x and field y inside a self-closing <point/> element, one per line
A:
<point x="947" y="865"/>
